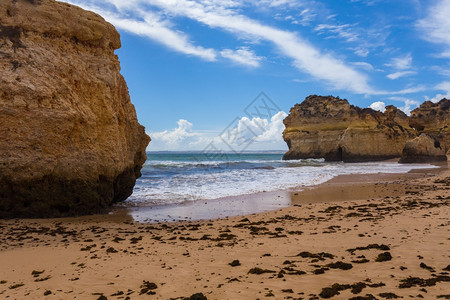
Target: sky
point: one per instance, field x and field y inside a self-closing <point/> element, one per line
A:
<point x="223" y="74"/>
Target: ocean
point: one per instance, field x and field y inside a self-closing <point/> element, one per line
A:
<point x="175" y="178"/>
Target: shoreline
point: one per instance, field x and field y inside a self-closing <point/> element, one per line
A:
<point x="247" y="204"/>
<point x="299" y="251"/>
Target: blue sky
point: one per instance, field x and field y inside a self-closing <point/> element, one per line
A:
<point x="193" y="66"/>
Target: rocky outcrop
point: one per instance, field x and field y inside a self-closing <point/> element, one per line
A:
<point x="423" y="149"/>
<point x="434" y="120"/>
<point x="331" y="128"/>
<point x="70" y="139"/>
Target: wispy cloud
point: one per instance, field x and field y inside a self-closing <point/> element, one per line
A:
<point x="343" y="31"/>
<point x="218" y="15"/>
<point x="401" y="63"/>
<point x="150" y="25"/>
<point x="361" y="51"/>
<point x="363" y="65"/>
<point x="306" y="57"/>
<point x="435" y="25"/>
<point x="443" y="86"/>
<point x="243" y="56"/>
<point x="409" y="104"/>
<point x="397" y="75"/>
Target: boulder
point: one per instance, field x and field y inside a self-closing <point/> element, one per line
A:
<point x="423" y="149"/>
<point x="434" y="120"/>
<point x="70" y="140"/>
<point x="331" y="128"/>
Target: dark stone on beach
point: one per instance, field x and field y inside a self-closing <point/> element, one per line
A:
<point x="370" y="246"/>
<point x="147" y="288"/>
<point x="339" y="265"/>
<point x="366" y="297"/>
<point x="319" y="256"/>
<point x="259" y="271"/>
<point x="388" y="295"/>
<point x="332" y="291"/>
<point x="235" y="263"/>
<point x="197" y="296"/>
<point x="424" y="266"/>
<point x="385" y="256"/>
<point x="416" y="281"/>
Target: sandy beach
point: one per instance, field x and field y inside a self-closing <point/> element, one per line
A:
<point x="384" y="237"/>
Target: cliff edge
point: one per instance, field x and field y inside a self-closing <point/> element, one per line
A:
<point x="331" y="128"/>
<point x="70" y="140"/>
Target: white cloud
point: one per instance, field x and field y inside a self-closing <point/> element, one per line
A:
<point x="260" y="134"/>
<point x="442" y="69"/>
<point x="397" y="75"/>
<point x="360" y="51"/>
<point x="242" y="56"/>
<point x="151" y="25"/>
<point x="409" y="90"/>
<point x="342" y="31"/>
<point x="409" y="104"/>
<point x="273" y="130"/>
<point x="435" y="25"/>
<point x="218" y="15"/>
<point x="306" y="57"/>
<point x="443" y="86"/>
<point x="438" y="97"/>
<point x="401" y="63"/>
<point x="175" y="138"/>
<point x="363" y="65"/>
<point x="380" y="106"/>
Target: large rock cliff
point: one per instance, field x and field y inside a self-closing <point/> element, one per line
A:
<point x="423" y="149"/>
<point x="70" y="139"/>
<point x="331" y="128"/>
<point x="434" y="120"/>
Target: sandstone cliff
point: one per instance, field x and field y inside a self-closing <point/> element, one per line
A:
<point x="70" y="140"/>
<point x="434" y="120"/>
<point x="331" y="128"/>
<point x="423" y="149"/>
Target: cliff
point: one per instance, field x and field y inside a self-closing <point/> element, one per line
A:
<point x="434" y="120"/>
<point x="423" y="149"/>
<point x="70" y="139"/>
<point x="331" y="128"/>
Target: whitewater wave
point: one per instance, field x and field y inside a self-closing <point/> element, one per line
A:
<point x="169" y="181"/>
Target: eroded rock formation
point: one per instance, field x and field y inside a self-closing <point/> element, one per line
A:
<point x="423" y="149"/>
<point x="434" y="120"/>
<point x="331" y="128"/>
<point x="70" y="139"/>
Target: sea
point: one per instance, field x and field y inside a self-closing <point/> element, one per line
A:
<point x="173" y="180"/>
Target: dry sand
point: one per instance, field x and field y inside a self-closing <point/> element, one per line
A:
<point x="376" y="239"/>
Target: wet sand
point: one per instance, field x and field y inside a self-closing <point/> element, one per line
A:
<point x="372" y="238"/>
